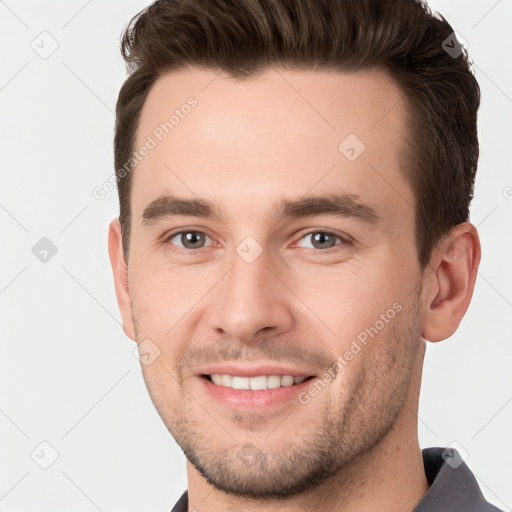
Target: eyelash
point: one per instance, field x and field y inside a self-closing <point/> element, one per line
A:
<point x="192" y="252"/>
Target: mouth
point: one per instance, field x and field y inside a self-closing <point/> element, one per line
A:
<point x="255" y="383"/>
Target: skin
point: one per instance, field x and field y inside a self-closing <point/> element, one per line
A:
<point x="246" y="146"/>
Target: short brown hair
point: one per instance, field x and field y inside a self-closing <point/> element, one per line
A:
<point x="245" y="37"/>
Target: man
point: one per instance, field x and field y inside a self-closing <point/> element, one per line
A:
<point x="250" y="134"/>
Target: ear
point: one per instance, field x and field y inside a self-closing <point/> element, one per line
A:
<point x="120" y="270"/>
<point x="450" y="281"/>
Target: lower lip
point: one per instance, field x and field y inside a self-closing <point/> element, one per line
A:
<point x="251" y="398"/>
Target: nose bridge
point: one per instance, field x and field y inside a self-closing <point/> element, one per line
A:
<point x="249" y="299"/>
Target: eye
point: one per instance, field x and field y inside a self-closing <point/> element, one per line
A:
<point x="190" y="239"/>
<point x="324" y="240"/>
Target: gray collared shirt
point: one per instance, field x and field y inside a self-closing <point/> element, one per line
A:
<point x="453" y="488"/>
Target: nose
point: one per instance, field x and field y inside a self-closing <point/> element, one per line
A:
<point x="251" y="301"/>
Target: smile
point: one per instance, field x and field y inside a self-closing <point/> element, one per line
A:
<point x="257" y="383"/>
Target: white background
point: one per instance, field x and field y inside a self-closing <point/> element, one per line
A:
<point x="68" y="374"/>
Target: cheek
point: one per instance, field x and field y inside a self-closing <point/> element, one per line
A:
<point x="348" y="298"/>
<point x="165" y="392"/>
<point x="378" y="353"/>
<point x="161" y="295"/>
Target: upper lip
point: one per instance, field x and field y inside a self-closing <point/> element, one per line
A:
<point x="253" y="371"/>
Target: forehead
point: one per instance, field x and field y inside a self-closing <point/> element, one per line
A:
<point x="281" y="133"/>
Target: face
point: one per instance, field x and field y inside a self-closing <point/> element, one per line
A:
<point x="273" y="235"/>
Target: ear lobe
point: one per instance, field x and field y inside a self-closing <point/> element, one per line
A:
<point x="120" y="271"/>
<point x="449" y="287"/>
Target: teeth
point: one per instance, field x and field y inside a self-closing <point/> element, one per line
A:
<point x="287" y="380"/>
<point x="241" y="383"/>
<point x="217" y="379"/>
<point x="273" y="381"/>
<point x="258" y="383"/>
<point x="226" y="380"/>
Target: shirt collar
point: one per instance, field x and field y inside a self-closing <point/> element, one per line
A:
<point x="453" y="487"/>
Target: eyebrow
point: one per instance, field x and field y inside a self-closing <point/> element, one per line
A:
<point x="339" y="205"/>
